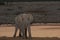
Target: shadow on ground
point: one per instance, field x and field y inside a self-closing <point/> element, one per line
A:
<point x="33" y="38"/>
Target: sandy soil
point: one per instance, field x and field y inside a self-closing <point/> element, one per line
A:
<point x="41" y="32"/>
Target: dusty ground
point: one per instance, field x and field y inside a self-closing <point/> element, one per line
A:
<point x="39" y="32"/>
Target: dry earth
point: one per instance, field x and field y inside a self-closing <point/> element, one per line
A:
<point x="39" y="32"/>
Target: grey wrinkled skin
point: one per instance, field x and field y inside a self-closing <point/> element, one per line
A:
<point x="23" y="23"/>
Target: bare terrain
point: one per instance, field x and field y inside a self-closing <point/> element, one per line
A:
<point x="39" y="32"/>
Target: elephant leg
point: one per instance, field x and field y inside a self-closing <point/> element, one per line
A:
<point x="26" y="33"/>
<point x="22" y="27"/>
<point x="29" y="31"/>
<point x="16" y="29"/>
<point x="20" y="33"/>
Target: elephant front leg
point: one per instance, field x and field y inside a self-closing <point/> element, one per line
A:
<point x="29" y="32"/>
<point x="15" y="32"/>
<point x="20" y="33"/>
<point x="26" y="33"/>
